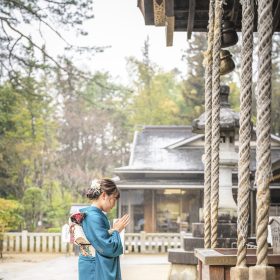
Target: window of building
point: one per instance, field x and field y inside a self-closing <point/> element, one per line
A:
<point x="161" y="210"/>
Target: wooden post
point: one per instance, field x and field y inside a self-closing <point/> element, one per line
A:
<point x="11" y="243"/>
<point x="162" y="250"/>
<point x="182" y="234"/>
<point x="129" y="247"/>
<point x="17" y="243"/>
<point x="143" y="241"/>
<point x="157" y="242"/>
<point x="169" y="242"/>
<point x="170" y="22"/>
<point x="31" y="242"/>
<point x="5" y="243"/>
<point x="63" y="246"/>
<point x="44" y="243"/>
<point x="191" y="18"/>
<point x="150" y="243"/>
<point x="50" y="249"/>
<point x="24" y="240"/>
<point x="134" y="246"/>
<point x="38" y="243"/>
<point x="56" y="243"/>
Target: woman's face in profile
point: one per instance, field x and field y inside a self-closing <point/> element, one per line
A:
<point x="108" y="202"/>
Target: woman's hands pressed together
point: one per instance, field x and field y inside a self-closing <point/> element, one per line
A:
<point x="121" y="223"/>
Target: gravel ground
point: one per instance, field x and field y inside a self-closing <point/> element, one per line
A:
<point x="63" y="267"/>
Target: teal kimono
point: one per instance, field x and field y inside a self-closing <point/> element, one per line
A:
<point x="106" y="264"/>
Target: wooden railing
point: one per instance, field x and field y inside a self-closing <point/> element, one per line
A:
<point x="35" y="242"/>
<point x="29" y="242"/>
<point x="151" y="242"/>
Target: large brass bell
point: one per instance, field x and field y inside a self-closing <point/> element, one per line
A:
<point x="227" y="64"/>
<point x="229" y="35"/>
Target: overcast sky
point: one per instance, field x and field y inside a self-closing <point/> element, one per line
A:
<point x="120" y="24"/>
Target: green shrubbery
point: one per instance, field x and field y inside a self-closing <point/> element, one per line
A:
<point x="10" y="215"/>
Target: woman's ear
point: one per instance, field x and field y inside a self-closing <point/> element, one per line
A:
<point x="103" y="195"/>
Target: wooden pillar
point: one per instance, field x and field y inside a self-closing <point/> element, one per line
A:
<point x="149" y="213"/>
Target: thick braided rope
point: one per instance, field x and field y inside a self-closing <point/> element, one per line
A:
<point x="263" y="173"/>
<point x="245" y="129"/>
<point x="215" y="124"/>
<point x="208" y="127"/>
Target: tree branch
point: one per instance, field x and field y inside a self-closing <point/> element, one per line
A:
<point x="29" y="10"/>
<point x="35" y="45"/>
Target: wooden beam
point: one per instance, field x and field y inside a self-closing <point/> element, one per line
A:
<point x="169" y="8"/>
<point x="191" y="18"/>
<point x="159" y="12"/>
<point x="184" y="11"/>
<point x="146" y="7"/>
<point x="181" y="25"/>
<point x="170" y="22"/>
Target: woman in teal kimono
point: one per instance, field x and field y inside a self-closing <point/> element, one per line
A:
<point x="104" y="263"/>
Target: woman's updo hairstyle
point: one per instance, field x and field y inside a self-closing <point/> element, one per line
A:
<point x="99" y="186"/>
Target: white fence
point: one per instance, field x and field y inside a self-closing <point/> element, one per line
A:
<point x="151" y="242"/>
<point x="35" y="242"/>
<point x="143" y="242"/>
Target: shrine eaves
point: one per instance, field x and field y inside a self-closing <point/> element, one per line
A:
<point x="192" y="15"/>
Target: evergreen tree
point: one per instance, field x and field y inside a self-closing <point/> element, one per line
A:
<point x="93" y="131"/>
<point x="27" y="130"/>
<point x="156" y="99"/>
<point x="33" y="204"/>
<point x="193" y="86"/>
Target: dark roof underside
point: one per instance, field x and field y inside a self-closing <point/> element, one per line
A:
<point x="195" y="13"/>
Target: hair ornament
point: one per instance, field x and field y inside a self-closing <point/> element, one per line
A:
<point x="96" y="186"/>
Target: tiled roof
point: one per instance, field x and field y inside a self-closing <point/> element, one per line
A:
<point x="151" y="152"/>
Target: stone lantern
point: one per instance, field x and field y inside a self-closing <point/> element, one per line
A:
<point x="227" y="226"/>
<point x="229" y="124"/>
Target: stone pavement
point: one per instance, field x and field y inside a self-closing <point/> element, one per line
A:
<point x="61" y="267"/>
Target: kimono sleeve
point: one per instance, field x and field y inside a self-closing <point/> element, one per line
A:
<point x="106" y="244"/>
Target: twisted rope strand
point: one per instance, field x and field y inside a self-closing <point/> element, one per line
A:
<point x="263" y="127"/>
<point x="208" y="132"/>
<point x="245" y="130"/>
<point x="215" y="124"/>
